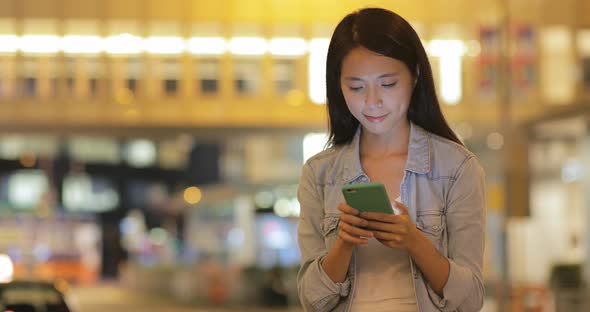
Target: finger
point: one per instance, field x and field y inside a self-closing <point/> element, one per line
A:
<point x="383" y="235"/>
<point x="389" y="237"/>
<point x="351" y="215"/>
<point x="401" y="208"/>
<point x="355" y="231"/>
<point x="387" y="227"/>
<point x="353" y="220"/>
<point x="351" y="239"/>
<point x="403" y="220"/>
<point x="343" y="207"/>
<point x="378" y="216"/>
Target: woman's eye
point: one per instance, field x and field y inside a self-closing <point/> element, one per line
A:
<point x="355" y="88"/>
<point x="389" y="85"/>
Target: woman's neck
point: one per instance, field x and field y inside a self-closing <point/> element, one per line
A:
<point x="386" y="145"/>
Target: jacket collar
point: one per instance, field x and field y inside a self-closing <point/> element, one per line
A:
<point x="418" y="154"/>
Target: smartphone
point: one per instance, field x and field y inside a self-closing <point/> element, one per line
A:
<point x="367" y="197"/>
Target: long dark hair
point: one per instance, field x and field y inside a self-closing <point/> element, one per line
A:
<point x="388" y="34"/>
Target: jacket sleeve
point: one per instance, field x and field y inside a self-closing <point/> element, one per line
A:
<point x="317" y="292"/>
<point x="464" y="290"/>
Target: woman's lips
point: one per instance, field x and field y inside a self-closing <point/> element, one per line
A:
<point x="376" y="119"/>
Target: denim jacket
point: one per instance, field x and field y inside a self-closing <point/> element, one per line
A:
<point x="443" y="187"/>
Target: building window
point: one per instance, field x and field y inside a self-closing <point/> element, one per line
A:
<point x="70" y="76"/>
<point x="247" y="77"/>
<point x="132" y="84"/>
<point x="208" y="72"/>
<point x="134" y="73"/>
<point x="283" y="76"/>
<point x="28" y="82"/>
<point x="209" y="86"/>
<point x="29" y="86"/>
<point x="96" y="72"/>
<point x="170" y="87"/>
<point x="171" y="73"/>
<point x="70" y="84"/>
<point x="93" y="87"/>
<point x="586" y="74"/>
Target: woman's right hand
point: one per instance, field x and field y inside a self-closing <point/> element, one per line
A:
<point x="351" y="227"/>
<point x="350" y="234"/>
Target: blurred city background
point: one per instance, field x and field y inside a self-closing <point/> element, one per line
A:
<point x="150" y="150"/>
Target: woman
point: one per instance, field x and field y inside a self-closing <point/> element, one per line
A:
<point x="386" y="126"/>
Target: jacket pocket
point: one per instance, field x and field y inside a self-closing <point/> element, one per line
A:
<point x="330" y="229"/>
<point x="431" y="223"/>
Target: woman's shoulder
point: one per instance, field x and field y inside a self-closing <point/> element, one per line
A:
<point x="450" y="154"/>
<point x="325" y="156"/>
<point x="438" y="144"/>
<point x="325" y="160"/>
<point x="450" y="146"/>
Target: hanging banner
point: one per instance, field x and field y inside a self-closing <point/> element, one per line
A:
<point x="488" y="64"/>
<point x="523" y="69"/>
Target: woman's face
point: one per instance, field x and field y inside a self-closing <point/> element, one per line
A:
<point x="377" y="90"/>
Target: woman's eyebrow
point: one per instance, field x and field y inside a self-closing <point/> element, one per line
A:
<point x="387" y="75"/>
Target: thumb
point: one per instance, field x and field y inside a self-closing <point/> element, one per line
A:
<point x="400" y="208"/>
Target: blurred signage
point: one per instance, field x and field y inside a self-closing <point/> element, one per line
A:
<point x="489" y="62"/>
<point x="523" y="60"/>
<point x="26" y="188"/>
<point x="89" y="194"/>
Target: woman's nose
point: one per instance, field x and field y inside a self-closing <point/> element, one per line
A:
<point x="372" y="97"/>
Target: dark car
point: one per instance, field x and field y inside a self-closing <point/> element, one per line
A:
<point x="31" y="296"/>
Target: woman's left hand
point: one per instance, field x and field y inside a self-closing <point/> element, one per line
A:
<point x="393" y="230"/>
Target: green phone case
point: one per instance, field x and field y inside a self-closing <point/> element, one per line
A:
<point x="367" y="197"/>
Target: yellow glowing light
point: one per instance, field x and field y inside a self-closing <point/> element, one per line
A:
<point x="123" y="44"/>
<point x="318" y="53"/>
<point x="164" y="45"/>
<point x="192" y="195"/>
<point x="313" y="143"/>
<point x="6" y="269"/>
<point x="287" y="46"/>
<point x="450" y="53"/>
<point x="28" y="160"/>
<point x="446" y="47"/>
<point x="82" y="44"/>
<point x="248" y="46"/>
<point x="583" y="42"/>
<point x="8" y="43"/>
<point x="207" y="45"/>
<point x="40" y="44"/>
